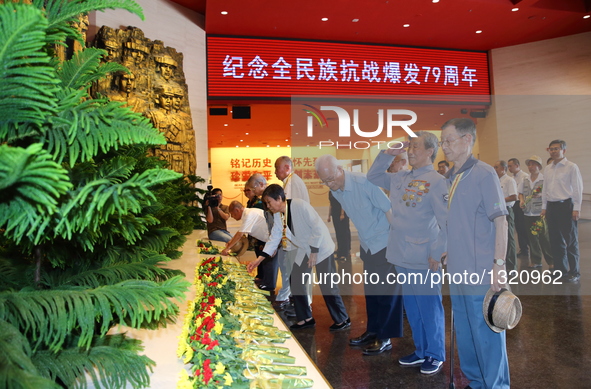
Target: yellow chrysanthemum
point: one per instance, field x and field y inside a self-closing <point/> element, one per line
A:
<point x="188" y="354"/>
<point x="218" y="302"/>
<point x="228" y="379"/>
<point x="219" y="368"/>
<point x="218" y="327"/>
<point x="184" y="381"/>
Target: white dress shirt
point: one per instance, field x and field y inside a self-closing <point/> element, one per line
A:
<point x="563" y="181"/>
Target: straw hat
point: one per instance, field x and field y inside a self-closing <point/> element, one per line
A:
<point x="501" y="310"/>
<point x="534" y="158"/>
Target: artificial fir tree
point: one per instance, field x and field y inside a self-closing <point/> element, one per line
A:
<point x="80" y="237"/>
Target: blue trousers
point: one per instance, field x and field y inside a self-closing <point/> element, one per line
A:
<point x="425" y="315"/>
<point x="220" y="235"/>
<point x="483" y="352"/>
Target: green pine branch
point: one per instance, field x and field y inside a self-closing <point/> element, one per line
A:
<point x="50" y="316"/>
<point x="27" y="82"/>
<point x="112" y="362"/>
<point x="30" y="184"/>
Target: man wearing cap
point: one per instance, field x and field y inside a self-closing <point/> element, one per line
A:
<point x="165" y="66"/>
<point x="561" y="204"/>
<point x="519" y="175"/>
<point x="477" y="245"/>
<point x="509" y="188"/>
<point x="367" y="206"/>
<point x="416" y="243"/>
<point x="530" y="200"/>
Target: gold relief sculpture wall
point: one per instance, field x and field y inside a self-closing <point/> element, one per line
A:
<point x="155" y="87"/>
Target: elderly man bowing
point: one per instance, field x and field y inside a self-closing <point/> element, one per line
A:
<point x="367" y="206"/>
<point x="416" y="244"/>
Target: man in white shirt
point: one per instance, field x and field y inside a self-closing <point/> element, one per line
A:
<point x="561" y="205"/>
<point x="509" y="188"/>
<point x="293" y="185"/>
<point x="253" y="224"/>
<point x="522" y="237"/>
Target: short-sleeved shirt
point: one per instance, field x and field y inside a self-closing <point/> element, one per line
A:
<point x="218" y="222"/>
<point x="471" y="232"/>
<point x="509" y="187"/>
<point x="419" y="211"/>
<point x="254" y="224"/>
<point x="366" y="205"/>
<point x="519" y="177"/>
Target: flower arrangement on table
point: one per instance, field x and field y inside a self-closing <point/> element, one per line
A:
<point x="206" y="247"/>
<point x="229" y="337"/>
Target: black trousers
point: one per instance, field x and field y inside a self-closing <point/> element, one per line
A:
<point x="564" y="236"/>
<point x="331" y="293"/>
<point x="520" y="228"/>
<point x="268" y="267"/>
<point x="342" y="230"/>
<point x="383" y="302"/>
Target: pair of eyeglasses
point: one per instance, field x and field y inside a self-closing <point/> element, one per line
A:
<point x="554" y="148"/>
<point x="448" y="142"/>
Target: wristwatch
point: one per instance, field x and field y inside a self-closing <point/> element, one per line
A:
<point x="499" y="261"/>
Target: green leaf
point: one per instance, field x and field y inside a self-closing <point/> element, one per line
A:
<point x="27" y="83"/>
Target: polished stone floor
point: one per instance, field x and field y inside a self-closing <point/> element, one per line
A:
<point x="548" y="349"/>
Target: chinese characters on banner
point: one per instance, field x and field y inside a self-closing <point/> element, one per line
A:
<point x="328" y="70"/>
<point x="231" y="168"/>
<point x="282" y="68"/>
<point x="240" y="169"/>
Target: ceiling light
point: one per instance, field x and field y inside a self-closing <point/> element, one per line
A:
<point x="288" y="146"/>
<point x="287" y="140"/>
<point x="246" y="133"/>
<point x="278" y="146"/>
<point x="225" y="125"/>
<point x="479" y="31"/>
<point x="436" y="1"/>
<point x="355" y="20"/>
<point x="406" y="25"/>
<point x="241" y="140"/>
<point x="247" y="146"/>
<point x="237" y="146"/>
<point x="586" y="16"/>
<point x="224" y="12"/>
<point x="515" y="9"/>
<point x="324" y="19"/>
<point x="268" y="146"/>
<point x="441" y="113"/>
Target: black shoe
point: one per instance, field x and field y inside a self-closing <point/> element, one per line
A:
<point x="379" y="346"/>
<point x="265" y="287"/>
<point x="307" y="324"/>
<point x="281" y="305"/>
<point x="342" y="326"/>
<point x="363" y="340"/>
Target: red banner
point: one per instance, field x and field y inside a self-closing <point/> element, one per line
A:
<point x="273" y="68"/>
